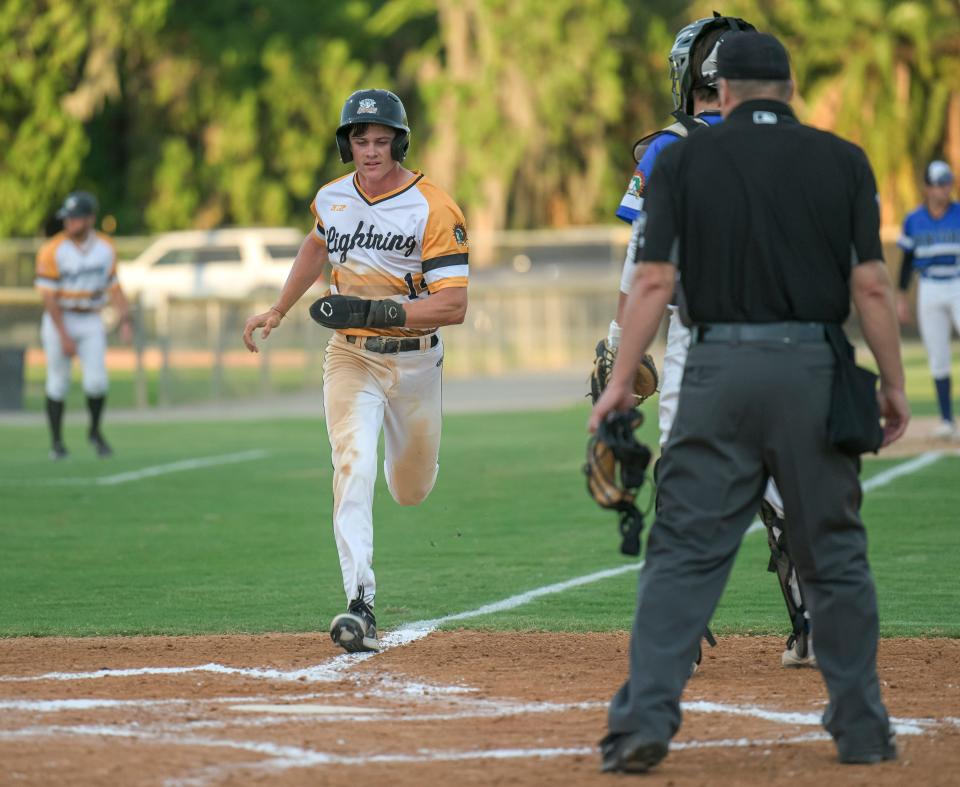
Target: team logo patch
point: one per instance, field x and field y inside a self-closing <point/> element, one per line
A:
<point x="367" y="107"/>
<point x="636" y="185"/>
<point x="460" y="234"/>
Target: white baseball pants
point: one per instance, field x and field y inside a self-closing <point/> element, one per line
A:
<point x="938" y="312"/>
<point x="364" y="392"/>
<point x="674" y="360"/>
<point x="87" y="331"/>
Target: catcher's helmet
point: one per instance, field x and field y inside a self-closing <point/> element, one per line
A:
<point x="374" y="106"/>
<point x="682" y="81"/>
<point x="77" y="204"/>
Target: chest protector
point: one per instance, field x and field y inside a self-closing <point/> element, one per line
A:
<point x="682" y="127"/>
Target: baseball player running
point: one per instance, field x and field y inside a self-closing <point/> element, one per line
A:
<point x="398" y="249"/>
<point x="693" y="66"/>
<point x="931" y="245"/>
<point x="76" y="273"/>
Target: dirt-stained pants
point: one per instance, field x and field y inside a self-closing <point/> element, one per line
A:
<point x="364" y="392"/>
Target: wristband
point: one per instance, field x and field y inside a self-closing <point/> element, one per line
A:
<point x="275" y="309"/>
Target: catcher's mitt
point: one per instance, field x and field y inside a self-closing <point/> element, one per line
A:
<point x="615" y="469"/>
<point x="645" y="384"/>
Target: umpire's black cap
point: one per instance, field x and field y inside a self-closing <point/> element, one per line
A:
<point x="78" y="204"/>
<point x="757" y="56"/>
<point x="374" y="106"/>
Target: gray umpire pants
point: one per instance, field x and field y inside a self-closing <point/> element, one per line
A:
<point x="748" y="411"/>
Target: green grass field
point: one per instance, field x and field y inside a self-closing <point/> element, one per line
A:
<point x="248" y="547"/>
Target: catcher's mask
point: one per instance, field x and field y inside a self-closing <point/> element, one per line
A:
<point x="682" y="81"/>
<point x="616" y="468"/>
<point x="374" y="106"/>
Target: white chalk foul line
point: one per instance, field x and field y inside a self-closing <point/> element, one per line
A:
<point x="146" y="472"/>
<point x="334" y="668"/>
<point x="177" y="467"/>
<point x="883" y="478"/>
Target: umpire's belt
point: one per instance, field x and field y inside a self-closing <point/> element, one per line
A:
<point x="783" y="332"/>
<point x="386" y="344"/>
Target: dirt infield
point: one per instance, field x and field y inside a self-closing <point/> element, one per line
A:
<point x="464" y="707"/>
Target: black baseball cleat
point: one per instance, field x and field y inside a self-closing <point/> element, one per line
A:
<point x="58" y="451"/>
<point x="356" y="629"/>
<point x="625" y="752"/>
<point x="887" y="752"/>
<point x="101" y="446"/>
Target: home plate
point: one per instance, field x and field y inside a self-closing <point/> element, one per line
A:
<point x="306" y="708"/>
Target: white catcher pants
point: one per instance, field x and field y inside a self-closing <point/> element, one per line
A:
<point x="87" y="331"/>
<point x="674" y="360"/>
<point x="938" y="312"/>
<point x="364" y="392"/>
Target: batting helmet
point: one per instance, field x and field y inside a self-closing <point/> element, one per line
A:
<point x="77" y="204"/>
<point x="681" y="79"/>
<point x="374" y="106"/>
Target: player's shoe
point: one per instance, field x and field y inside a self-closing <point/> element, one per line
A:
<point x="630" y="753"/>
<point x="58" y="451"/>
<point x="696" y="665"/>
<point x="101" y="446"/>
<point x="799" y="652"/>
<point x="945" y="430"/>
<point x="356" y="629"/>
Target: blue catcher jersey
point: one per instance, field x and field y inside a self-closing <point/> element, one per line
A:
<point x="632" y="202"/>
<point x="935" y="243"/>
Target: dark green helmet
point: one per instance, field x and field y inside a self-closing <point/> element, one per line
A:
<point x="374" y="106"/>
<point x="77" y="204"/>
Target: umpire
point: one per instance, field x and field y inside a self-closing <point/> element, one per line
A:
<point x="768" y="256"/>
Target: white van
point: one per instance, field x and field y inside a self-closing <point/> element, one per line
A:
<point x="222" y="263"/>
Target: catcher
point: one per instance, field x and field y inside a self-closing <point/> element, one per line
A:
<point x="693" y="69"/>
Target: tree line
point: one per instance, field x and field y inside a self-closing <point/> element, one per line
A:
<point x="180" y="113"/>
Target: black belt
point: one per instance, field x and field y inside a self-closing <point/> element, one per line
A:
<point x="784" y="332"/>
<point x="385" y="344"/>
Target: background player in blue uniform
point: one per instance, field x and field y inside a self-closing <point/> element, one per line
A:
<point x="693" y="66"/>
<point x="931" y="245"/>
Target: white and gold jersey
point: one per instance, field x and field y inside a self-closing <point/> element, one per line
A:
<point x="402" y="245"/>
<point x="80" y="274"/>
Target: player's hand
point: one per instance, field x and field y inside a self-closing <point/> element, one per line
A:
<point x="616" y="397"/>
<point x="69" y="346"/>
<point x="895" y="413"/>
<point x="267" y="320"/>
<point x="903" y="311"/>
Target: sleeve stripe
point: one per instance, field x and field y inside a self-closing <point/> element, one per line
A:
<point x="320" y="230"/>
<point x="442" y="284"/>
<point x="453" y="271"/>
<point x="47" y="283"/>
<point x="444" y="261"/>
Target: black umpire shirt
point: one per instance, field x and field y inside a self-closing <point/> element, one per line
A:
<point x="764" y="217"/>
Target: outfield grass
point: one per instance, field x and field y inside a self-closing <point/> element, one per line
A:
<point x="248" y="547"/>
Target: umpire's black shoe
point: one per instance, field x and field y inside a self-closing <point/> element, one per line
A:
<point x="888" y="751"/>
<point x="58" y="451"/>
<point x="356" y="629"/>
<point x="101" y="446"/>
<point x="626" y="752"/>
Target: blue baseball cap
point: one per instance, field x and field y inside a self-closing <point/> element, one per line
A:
<point x="938" y="174"/>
